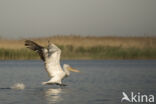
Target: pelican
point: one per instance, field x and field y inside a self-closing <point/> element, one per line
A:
<point x="51" y="58"/>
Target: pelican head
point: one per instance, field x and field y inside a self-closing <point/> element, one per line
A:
<point x="68" y="67"/>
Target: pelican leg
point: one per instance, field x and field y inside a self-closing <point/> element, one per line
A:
<point x="62" y="85"/>
<point x="47" y="83"/>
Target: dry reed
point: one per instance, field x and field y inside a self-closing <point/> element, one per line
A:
<point x="77" y="47"/>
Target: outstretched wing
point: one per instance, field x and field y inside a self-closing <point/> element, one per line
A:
<point x="52" y="48"/>
<point x="35" y="47"/>
<point x="53" y="61"/>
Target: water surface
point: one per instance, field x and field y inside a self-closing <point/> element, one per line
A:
<point x="100" y="82"/>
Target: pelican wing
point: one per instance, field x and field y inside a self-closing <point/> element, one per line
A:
<point x="53" y="61"/>
<point x="50" y="55"/>
<point x="35" y="47"/>
<point x="52" y="48"/>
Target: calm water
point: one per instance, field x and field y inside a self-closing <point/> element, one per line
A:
<point x="100" y="82"/>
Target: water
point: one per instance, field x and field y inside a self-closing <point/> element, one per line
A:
<point x="100" y="82"/>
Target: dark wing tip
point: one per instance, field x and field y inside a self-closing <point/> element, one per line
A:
<point x="35" y="47"/>
<point x="29" y="42"/>
<point x="32" y="45"/>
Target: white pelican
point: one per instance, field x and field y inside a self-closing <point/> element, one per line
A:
<point x="51" y="58"/>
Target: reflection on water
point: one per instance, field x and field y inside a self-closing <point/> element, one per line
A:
<point x="53" y="95"/>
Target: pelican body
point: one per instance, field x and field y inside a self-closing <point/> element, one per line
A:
<point x="51" y="57"/>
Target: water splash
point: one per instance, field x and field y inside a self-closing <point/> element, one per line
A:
<point x="18" y="86"/>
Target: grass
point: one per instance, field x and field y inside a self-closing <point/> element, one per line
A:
<point x="96" y="52"/>
<point x="10" y="54"/>
<point x="76" y="47"/>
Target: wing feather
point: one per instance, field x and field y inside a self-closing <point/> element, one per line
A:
<point x="35" y="47"/>
<point x="50" y="55"/>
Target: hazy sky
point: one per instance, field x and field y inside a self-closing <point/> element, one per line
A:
<point x="30" y="18"/>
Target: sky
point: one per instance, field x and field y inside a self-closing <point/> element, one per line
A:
<point x="39" y="18"/>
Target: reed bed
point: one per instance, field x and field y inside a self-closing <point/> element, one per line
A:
<point x="76" y="47"/>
